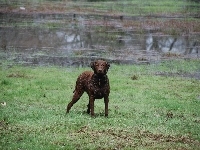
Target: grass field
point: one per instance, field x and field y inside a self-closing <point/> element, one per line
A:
<point x="146" y="111"/>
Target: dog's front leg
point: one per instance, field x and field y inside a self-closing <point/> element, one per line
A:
<point x="92" y="105"/>
<point x="106" y="100"/>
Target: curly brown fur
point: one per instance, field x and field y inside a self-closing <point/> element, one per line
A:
<point x="96" y="84"/>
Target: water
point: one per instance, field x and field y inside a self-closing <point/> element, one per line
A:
<point x="75" y="39"/>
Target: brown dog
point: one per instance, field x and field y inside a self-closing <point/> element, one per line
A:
<point x="96" y="84"/>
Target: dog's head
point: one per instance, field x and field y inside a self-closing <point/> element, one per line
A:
<point x="100" y="67"/>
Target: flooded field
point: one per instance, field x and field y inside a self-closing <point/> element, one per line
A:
<point x="75" y="38"/>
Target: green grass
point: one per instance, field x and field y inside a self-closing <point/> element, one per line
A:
<point x="149" y="112"/>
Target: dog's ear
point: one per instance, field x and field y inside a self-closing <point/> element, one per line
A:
<point x="108" y="65"/>
<point x="92" y="64"/>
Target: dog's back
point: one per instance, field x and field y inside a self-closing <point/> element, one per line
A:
<point x="83" y="80"/>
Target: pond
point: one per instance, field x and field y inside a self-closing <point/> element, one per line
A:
<point x="72" y="39"/>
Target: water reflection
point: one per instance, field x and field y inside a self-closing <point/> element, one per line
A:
<point x="179" y="45"/>
<point x="77" y="41"/>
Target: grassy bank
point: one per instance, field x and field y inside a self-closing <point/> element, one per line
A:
<point x="146" y="111"/>
<point x="172" y="17"/>
<point x="127" y="7"/>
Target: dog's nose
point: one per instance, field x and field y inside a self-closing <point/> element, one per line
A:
<point x="100" y="71"/>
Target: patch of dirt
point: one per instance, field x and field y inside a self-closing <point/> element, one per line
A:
<point x="17" y="75"/>
<point x="120" y="139"/>
<point x="3" y="124"/>
<point x="195" y="75"/>
<point x="167" y="138"/>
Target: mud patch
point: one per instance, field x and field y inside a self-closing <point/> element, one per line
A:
<point x="195" y="75"/>
<point x="18" y="75"/>
<point x="3" y="125"/>
<point x="118" y="139"/>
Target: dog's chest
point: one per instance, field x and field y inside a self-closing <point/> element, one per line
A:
<point x="99" y="83"/>
<point x="99" y="87"/>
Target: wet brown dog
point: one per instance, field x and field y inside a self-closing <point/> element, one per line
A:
<point x="96" y="84"/>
